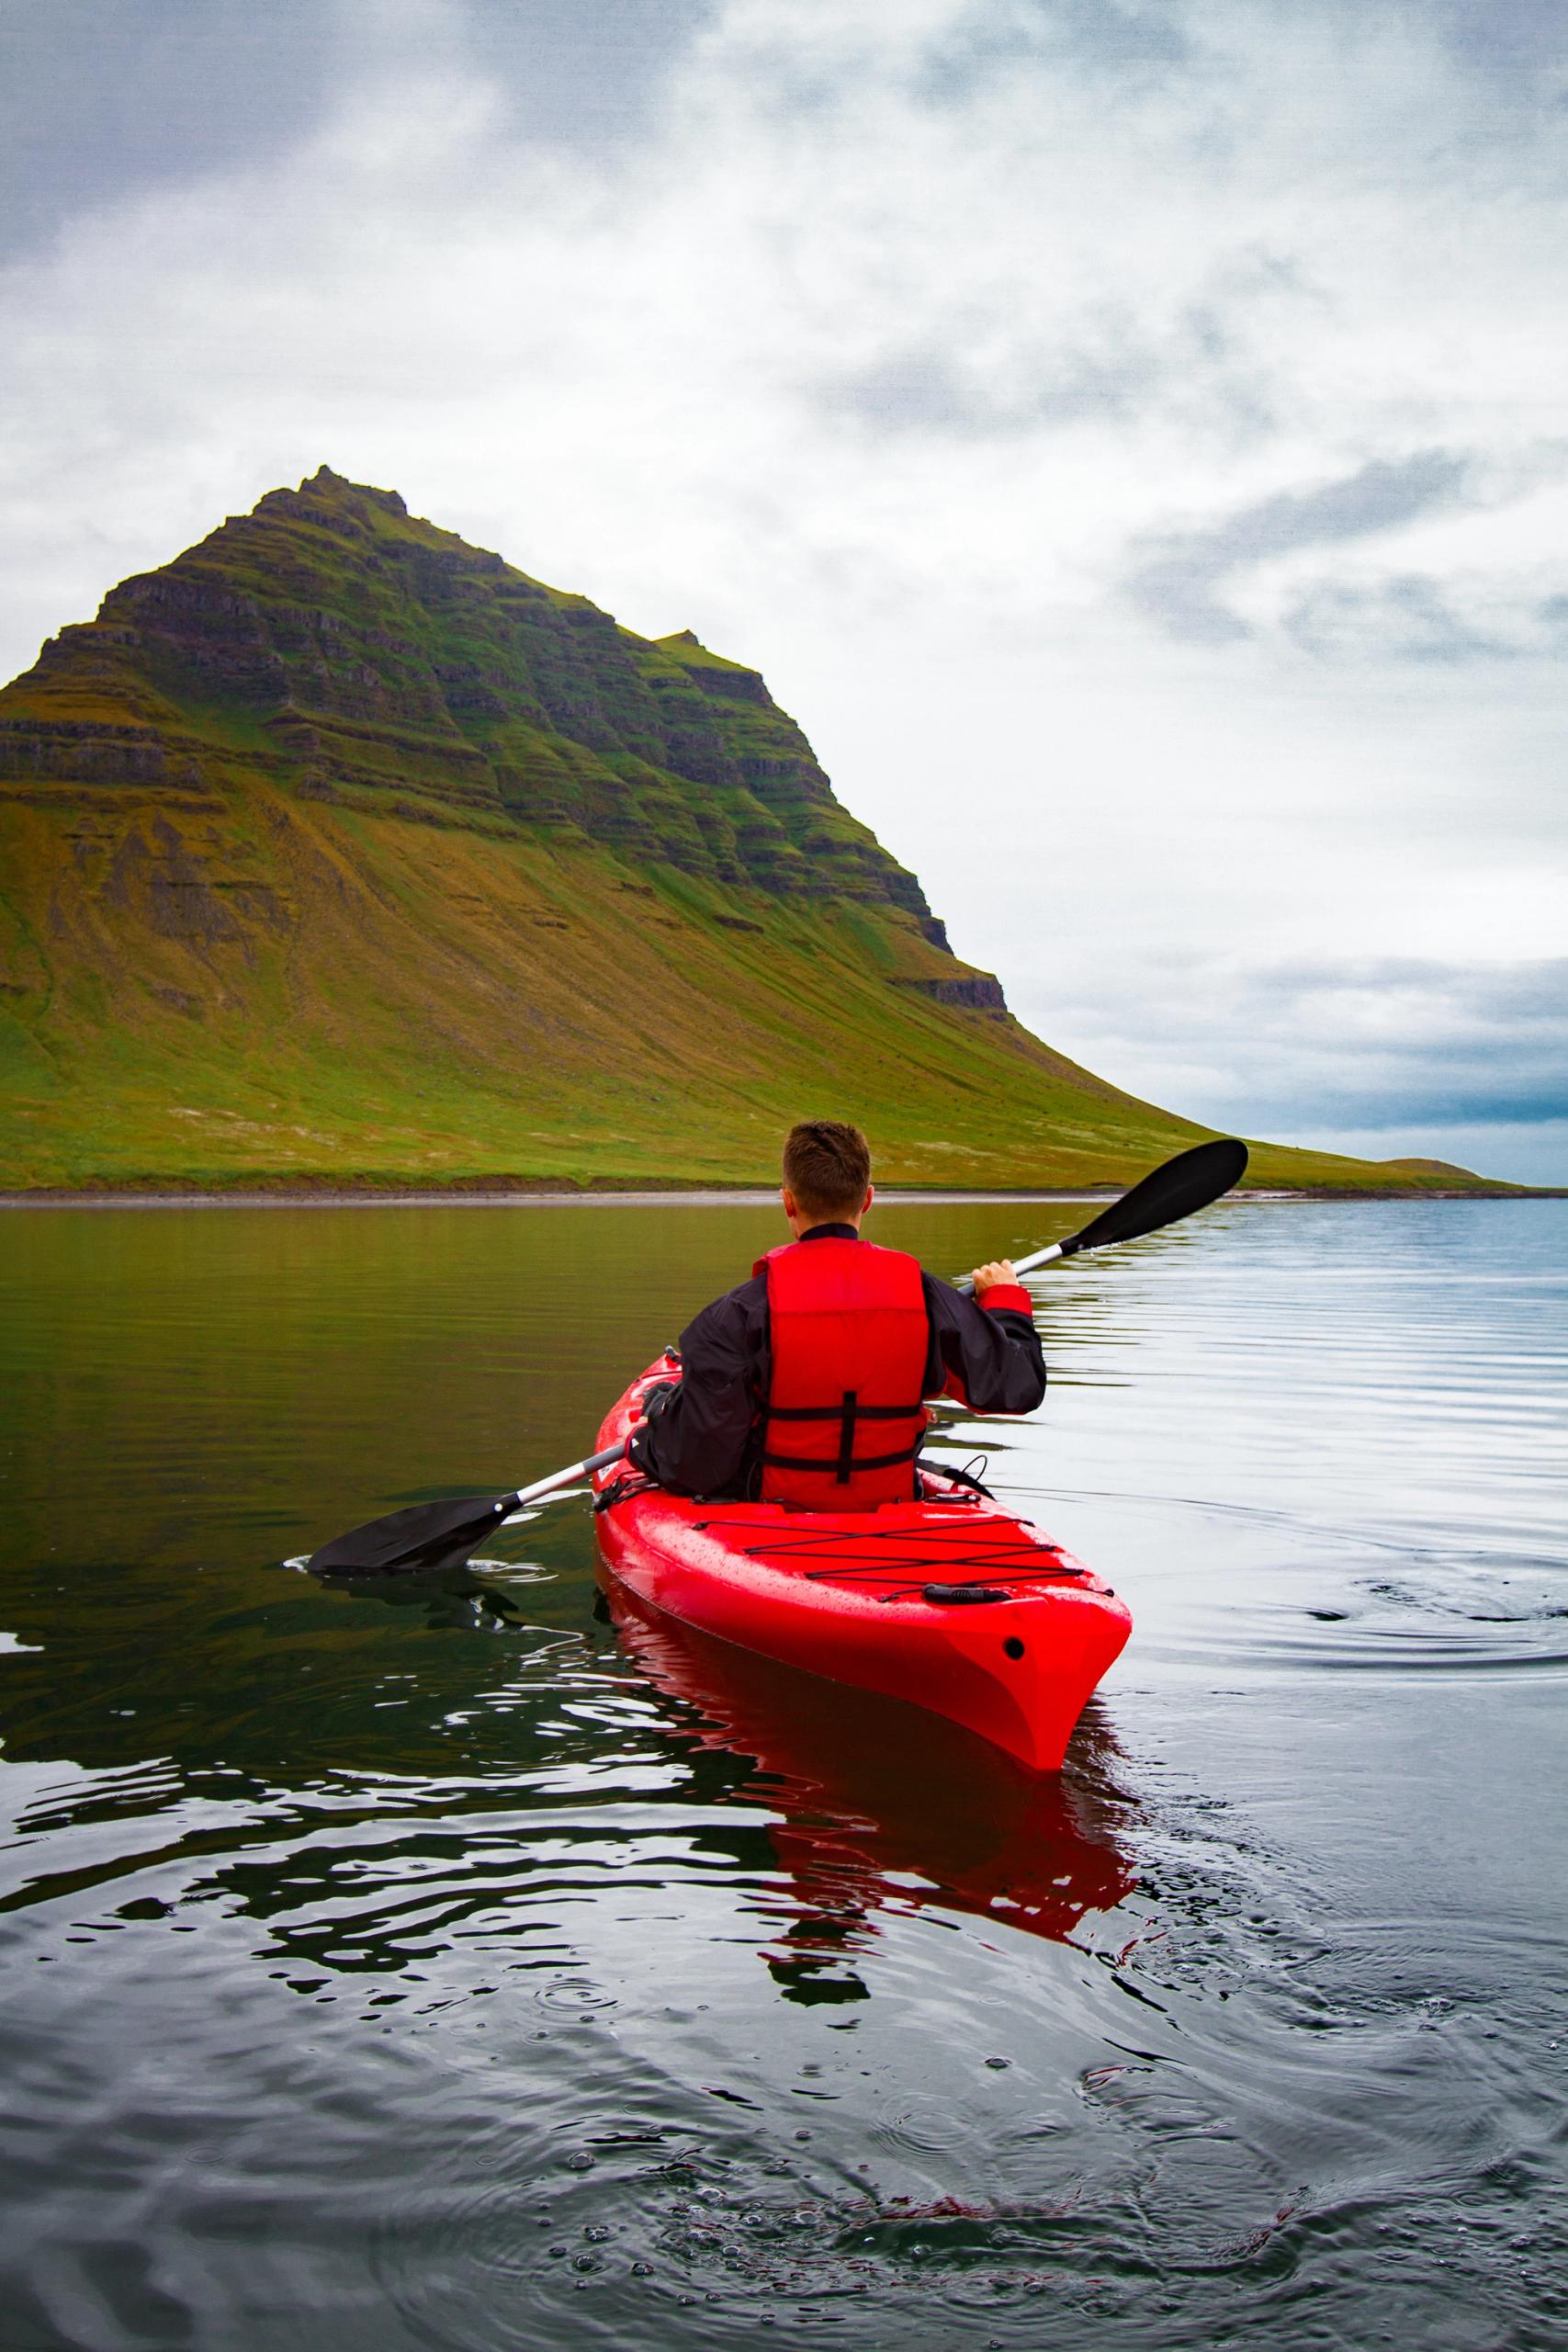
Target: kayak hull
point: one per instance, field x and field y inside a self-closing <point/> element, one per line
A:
<point x="844" y="1595"/>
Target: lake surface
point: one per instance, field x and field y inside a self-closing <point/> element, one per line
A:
<point x="423" y="1968"/>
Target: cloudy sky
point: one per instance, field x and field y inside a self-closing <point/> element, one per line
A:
<point x="1129" y="434"/>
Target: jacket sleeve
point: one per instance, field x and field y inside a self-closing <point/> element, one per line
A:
<point x="990" y="1356"/>
<point x="698" y="1441"/>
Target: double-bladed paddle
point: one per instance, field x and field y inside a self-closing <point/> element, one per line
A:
<point x="435" y="1536"/>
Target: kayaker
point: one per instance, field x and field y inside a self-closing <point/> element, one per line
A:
<point x="804" y="1385"/>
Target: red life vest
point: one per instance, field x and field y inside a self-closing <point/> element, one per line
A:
<point x="849" y="1336"/>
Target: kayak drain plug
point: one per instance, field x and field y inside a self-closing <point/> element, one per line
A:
<point x="1013" y="1647"/>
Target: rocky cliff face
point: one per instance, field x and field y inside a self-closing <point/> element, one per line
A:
<point x="357" y="655"/>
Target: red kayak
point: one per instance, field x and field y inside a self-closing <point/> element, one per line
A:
<point x="951" y="1602"/>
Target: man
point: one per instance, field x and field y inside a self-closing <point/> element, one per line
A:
<point x="803" y="1386"/>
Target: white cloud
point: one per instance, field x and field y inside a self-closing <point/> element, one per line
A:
<point x="1372" y="1042"/>
<point x="884" y="343"/>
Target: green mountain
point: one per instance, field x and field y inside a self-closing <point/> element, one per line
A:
<point x="338" y="851"/>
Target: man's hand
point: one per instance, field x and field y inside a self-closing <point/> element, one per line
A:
<point x="986" y="1278"/>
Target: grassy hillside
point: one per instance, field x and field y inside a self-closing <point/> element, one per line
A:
<point x="339" y="851"/>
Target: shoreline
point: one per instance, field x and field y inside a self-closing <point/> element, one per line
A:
<point x="349" y="1197"/>
<point x="353" y="1197"/>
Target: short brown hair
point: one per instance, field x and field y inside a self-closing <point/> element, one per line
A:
<point x="826" y="1166"/>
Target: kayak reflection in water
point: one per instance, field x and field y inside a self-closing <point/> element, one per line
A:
<point x="876" y="1809"/>
<point x="883" y="1808"/>
<point x="804" y="1385"/>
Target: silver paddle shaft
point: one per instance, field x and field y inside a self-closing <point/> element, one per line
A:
<point x="1052" y="1250"/>
<point x="568" y="1477"/>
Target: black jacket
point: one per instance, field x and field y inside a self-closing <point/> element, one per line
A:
<point x="703" y="1437"/>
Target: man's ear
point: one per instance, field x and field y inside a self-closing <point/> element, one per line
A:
<point x="870" y="1196"/>
<point x="787" y="1198"/>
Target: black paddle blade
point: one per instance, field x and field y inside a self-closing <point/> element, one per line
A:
<point x="426" y="1536"/>
<point x="1188" y="1182"/>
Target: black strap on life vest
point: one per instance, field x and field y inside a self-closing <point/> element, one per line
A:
<point x="847" y="1413"/>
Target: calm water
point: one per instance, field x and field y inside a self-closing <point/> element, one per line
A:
<point x="425" y="1969"/>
